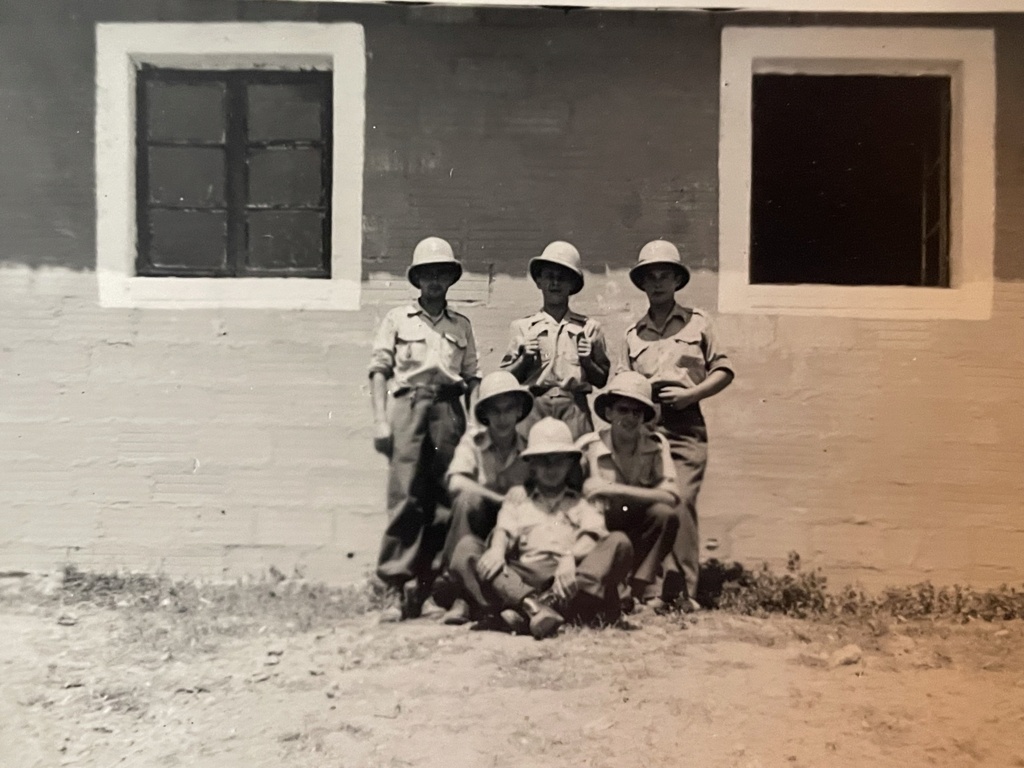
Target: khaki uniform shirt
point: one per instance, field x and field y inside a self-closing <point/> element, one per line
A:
<point x="545" y="531"/>
<point x="650" y="467"/>
<point x="682" y="352"/>
<point x="416" y="350"/>
<point x="559" y="363"/>
<point x="476" y="458"/>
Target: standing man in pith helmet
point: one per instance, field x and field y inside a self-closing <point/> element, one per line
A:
<point x="677" y="349"/>
<point x="559" y="354"/>
<point x="424" y="357"/>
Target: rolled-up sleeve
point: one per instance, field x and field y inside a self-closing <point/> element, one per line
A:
<point x="382" y="359"/>
<point x="470" y="361"/>
<point x="464" y="460"/>
<point x="714" y="355"/>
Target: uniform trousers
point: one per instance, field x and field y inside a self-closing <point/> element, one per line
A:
<point x="687" y="437"/>
<point x="472" y="515"/>
<point x="558" y="403"/>
<point x="653" y="531"/>
<point x="598" y="578"/>
<point x="426" y="427"/>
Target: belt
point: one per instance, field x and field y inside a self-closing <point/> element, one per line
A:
<point x="436" y="392"/>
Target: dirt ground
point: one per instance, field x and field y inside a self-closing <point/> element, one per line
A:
<point x="97" y="687"/>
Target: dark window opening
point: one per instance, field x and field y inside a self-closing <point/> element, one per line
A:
<point x="850" y="180"/>
<point x="233" y="173"/>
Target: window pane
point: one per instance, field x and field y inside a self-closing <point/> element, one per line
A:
<point x="286" y="240"/>
<point x="186" y="176"/>
<point x="285" y="177"/>
<point x="188" y="240"/>
<point x="285" y="111"/>
<point x="839" y="172"/>
<point x="179" y="111"/>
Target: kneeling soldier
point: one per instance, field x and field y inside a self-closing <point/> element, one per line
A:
<point x="487" y="463"/>
<point x="549" y="548"/>
<point x="631" y="475"/>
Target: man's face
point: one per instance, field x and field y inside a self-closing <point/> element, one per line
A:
<point x="626" y="414"/>
<point x="556" y="283"/>
<point x="659" y="283"/>
<point x="435" y="280"/>
<point x="502" y="415"/>
<point x="550" y="470"/>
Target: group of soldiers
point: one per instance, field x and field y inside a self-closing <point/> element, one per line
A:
<point x="530" y="517"/>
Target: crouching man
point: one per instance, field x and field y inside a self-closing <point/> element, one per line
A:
<point x="632" y="477"/>
<point x="488" y="462"/>
<point x="550" y="557"/>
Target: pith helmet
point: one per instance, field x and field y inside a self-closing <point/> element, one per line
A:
<point x="549" y="436"/>
<point x="562" y="254"/>
<point x="630" y="385"/>
<point x="501" y="383"/>
<point x="659" y="252"/>
<point x="430" y="251"/>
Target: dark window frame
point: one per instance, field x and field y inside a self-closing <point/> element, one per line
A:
<point x="237" y="147"/>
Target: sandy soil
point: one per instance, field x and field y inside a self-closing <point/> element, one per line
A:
<point x="94" y="689"/>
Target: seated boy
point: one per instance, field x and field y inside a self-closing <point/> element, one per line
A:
<point x="486" y="464"/>
<point x="549" y="548"/>
<point x="632" y="477"/>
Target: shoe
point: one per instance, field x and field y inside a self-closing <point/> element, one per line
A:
<point x="391" y="614"/>
<point x="514" y="622"/>
<point x="413" y="597"/>
<point x="687" y="605"/>
<point x="458" y="613"/>
<point x="445" y="591"/>
<point x="544" y="620"/>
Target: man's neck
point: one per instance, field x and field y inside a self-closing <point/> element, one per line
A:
<point x="659" y="312"/>
<point x="625" y="441"/>
<point x="433" y="307"/>
<point x="503" y="443"/>
<point x="557" y="311"/>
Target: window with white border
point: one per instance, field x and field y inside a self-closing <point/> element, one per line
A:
<point x="967" y="57"/>
<point x="120" y="50"/>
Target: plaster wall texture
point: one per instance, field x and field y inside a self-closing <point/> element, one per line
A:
<point x="216" y="443"/>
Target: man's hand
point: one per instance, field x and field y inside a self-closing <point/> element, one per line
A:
<point x="584" y="347"/>
<point x="565" y="579"/>
<point x="490" y="564"/>
<point x="676" y="397"/>
<point x="531" y="348"/>
<point x="383" y="442"/>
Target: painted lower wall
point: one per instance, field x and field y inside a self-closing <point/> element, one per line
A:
<point x="219" y="442"/>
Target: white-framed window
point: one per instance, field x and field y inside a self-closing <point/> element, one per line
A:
<point x="237" y="148"/>
<point x="857" y="172"/>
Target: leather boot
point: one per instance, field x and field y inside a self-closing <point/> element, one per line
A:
<point x="544" y="620"/>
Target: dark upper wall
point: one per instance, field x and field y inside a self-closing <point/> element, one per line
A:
<point x="501" y="130"/>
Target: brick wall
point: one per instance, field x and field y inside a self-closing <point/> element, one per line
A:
<point x="216" y="443"/>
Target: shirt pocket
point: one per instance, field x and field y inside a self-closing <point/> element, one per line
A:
<point x="688" y="352"/>
<point x="410" y="348"/>
<point x="453" y="349"/>
<point x="641" y="356"/>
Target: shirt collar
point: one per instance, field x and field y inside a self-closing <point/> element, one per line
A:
<point x="415" y="309"/>
<point x="570" y="317"/>
<point x="567" y="494"/>
<point x="648" y="441"/>
<point x="484" y="442"/>
<point x="677" y="311"/>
